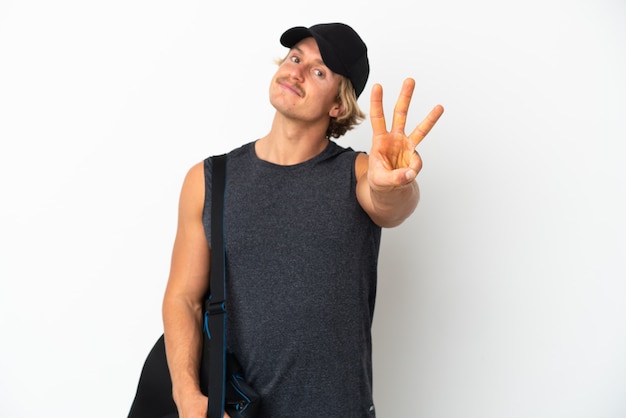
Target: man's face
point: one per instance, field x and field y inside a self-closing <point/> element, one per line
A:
<point x="303" y="86"/>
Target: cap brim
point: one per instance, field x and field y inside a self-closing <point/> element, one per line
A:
<point x="294" y="35"/>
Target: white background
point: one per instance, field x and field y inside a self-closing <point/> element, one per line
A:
<point x="503" y="296"/>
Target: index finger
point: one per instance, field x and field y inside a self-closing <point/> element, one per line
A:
<point x="377" y="116"/>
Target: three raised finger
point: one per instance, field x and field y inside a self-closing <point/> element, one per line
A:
<point x="426" y="125"/>
<point x="377" y="115"/>
<point x="401" y="110"/>
<point x="400" y="113"/>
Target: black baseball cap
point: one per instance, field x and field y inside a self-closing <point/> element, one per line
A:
<point x="342" y="50"/>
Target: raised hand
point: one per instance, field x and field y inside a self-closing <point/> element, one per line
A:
<point x="393" y="160"/>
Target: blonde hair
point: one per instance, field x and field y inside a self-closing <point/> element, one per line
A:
<point x="351" y="116"/>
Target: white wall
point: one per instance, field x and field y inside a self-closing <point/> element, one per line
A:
<point x="503" y="296"/>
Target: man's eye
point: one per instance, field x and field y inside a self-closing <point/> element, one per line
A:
<point x="295" y="59"/>
<point x="318" y="73"/>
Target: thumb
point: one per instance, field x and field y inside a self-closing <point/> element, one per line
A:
<point x="410" y="175"/>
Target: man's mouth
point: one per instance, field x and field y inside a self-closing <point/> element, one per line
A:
<point x="291" y="87"/>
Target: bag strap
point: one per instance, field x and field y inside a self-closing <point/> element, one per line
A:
<point x="215" y="303"/>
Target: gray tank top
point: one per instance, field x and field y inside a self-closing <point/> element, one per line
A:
<point x="301" y="260"/>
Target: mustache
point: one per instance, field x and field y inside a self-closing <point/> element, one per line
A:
<point x="296" y="87"/>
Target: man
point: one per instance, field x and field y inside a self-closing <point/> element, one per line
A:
<point x="302" y="230"/>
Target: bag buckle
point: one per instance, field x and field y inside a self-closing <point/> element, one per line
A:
<point x="212" y="309"/>
<point x="216" y="308"/>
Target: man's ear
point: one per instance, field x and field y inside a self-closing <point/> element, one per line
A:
<point x="337" y="110"/>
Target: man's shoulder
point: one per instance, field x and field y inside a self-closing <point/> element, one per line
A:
<point x="234" y="153"/>
<point x="334" y="150"/>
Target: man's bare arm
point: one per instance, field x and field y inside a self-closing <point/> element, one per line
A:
<point x="182" y="303"/>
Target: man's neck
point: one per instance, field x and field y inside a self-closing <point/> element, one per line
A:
<point x="290" y="144"/>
